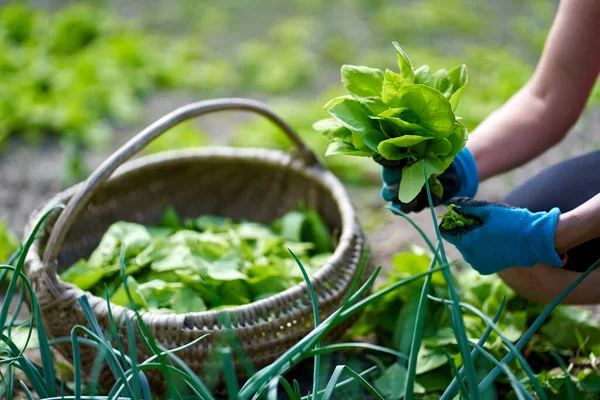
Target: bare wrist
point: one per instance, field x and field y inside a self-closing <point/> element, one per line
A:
<point x="563" y="236"/>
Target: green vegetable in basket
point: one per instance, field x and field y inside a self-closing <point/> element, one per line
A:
<point x="406" y="116"/>
<point x="209" y="262"/>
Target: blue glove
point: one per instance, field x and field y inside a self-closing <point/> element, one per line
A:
<point x="507" y="237"/>
<point x="460" y="179"/>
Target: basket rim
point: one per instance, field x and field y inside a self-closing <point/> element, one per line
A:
<point x="332" y="184"/>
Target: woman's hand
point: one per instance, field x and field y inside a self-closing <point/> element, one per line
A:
<point x="459" y="180"/>
<point x="507" y="236"/>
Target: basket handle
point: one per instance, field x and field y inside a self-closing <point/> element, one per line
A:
<point x="142" y="139"/>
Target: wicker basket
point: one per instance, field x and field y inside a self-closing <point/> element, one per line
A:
<point x="255" y="184"/>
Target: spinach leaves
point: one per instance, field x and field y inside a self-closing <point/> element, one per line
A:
<point x="453" y="220"/>
<point x="406" y="117"/>
<point x="204" y="263"/>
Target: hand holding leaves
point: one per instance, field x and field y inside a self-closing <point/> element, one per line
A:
<point x="406" y="117"/>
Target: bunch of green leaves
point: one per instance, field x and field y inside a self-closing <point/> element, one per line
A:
<point x="204" y="263"/>
<point x="452" y="220"/>
<point x="407" y="117"/>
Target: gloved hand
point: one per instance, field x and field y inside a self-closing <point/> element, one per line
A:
<point x="507" y="237"/>
<point x="460" y="179"/>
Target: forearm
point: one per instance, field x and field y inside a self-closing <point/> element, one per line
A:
<point x="511" y="136"/>
<point x="578" y="226"/>
<point x="544" y="110"/>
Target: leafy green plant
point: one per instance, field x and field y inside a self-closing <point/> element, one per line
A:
<point x="208" y="262"/>
<point x="406" y="117"/>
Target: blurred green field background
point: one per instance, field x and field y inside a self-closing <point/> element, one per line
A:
<point x="82" y="74"/>
<point x="76" y="70"/>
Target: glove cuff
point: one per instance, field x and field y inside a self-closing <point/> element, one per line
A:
<point x="466" y="170"/>
<point x="544" y="229"/>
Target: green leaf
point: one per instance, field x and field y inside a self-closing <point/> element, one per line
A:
<point x="430" y="360"/>
<point x="186" y="301"/>
<point x="431" y="109"/>
<point x="459" y="78"/>
<point x="120" y="296"/>
<point x="423" y="76"/>
<point x="362" y="81"/>
<point x="566" y="323"/>
<point x="395" y="148"/>
<point x="82" y="275"/>
<point x="413" y="179"/>
<point x="406" y="68"/>
<point x="336" y="148"/>
<point x="373" y="138"/>
<point x="336" y="100"/>
<point x="440" y="147"/>
<point x="333" y="130"/>
<point x="374" y="104"/>
<point x="393" y="380"/>
<point x="392" y="82"/>
<point x="316" y="231"/>
<point x="352" y="115"/>
<point x="441" y="82"/>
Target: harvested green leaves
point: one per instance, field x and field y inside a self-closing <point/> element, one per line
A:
<point x="406" y="117"/>
<point x="209" y="262"/>
<point x="453" y="220"/>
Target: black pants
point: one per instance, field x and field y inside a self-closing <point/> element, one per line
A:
<point x="566" y="185"/>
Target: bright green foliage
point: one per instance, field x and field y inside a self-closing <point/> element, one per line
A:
<point x="453" y="220"/>
<point x="568" y="332"/>
<point x="69" y="72"/>
<point x="8" y="242"/>
<point x="204" y="263"/>
<point x="406" y="117"/>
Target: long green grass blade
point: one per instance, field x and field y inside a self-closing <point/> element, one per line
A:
<point x="45" y="352"/>
<point x="274" y="386"/>
<point x="451" y="391"/>
<point x="418" y="334"/>
<point x="356" y="346"/>
<point x="315" y="307"/>
<point x="22" y="276"/>
<point x="26" y="390"/>
<point x="145" y="333"/>
<point x="335" y="377"/>
<point x="294" y="354"/>
<point x="364" y="374"/>
<point x="229" y="373"/>
<point x="520" y="390"/>
<point x="458" y="323"/>
<point x="512" y="349"/>
<point x="32" y="374"/>
<point x="464" y="392"/>
<point x="20" y="264"/>
<point x="491" y="377"/>
<point x="111" y="359"/>
<point x="568" y="383"/>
